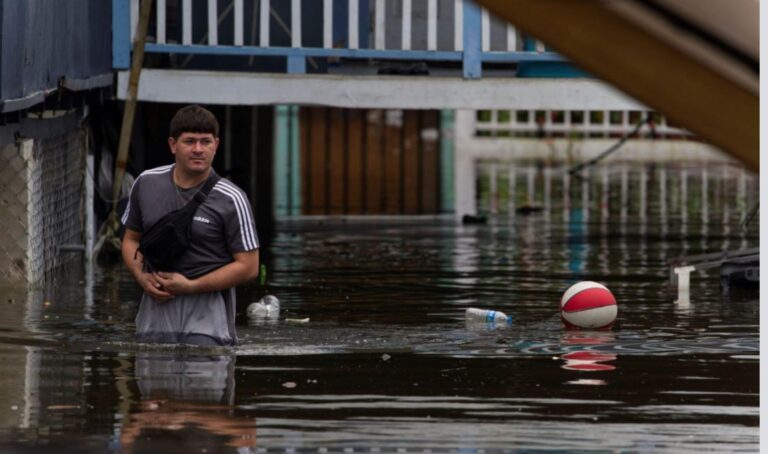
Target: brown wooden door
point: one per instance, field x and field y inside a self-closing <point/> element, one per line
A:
<point x="370" y="161"/>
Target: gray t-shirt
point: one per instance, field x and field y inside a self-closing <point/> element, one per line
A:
<point x="223" y="224"/>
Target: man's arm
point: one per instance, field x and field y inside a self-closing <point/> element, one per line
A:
<point x="133" y="259"/>
<point x="244" y="268"/>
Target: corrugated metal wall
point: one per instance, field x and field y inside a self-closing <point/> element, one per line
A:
<point x="45" y="40"/>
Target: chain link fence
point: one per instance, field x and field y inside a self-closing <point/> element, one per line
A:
<point x="41" y="204"/>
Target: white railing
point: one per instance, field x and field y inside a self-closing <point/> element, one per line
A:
<point x="378" y="30"/>
<point x="563" y="123"/>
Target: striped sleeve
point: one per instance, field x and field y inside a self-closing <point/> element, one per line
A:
<point x="132" y="214"/>
<point x="240" y="227"/>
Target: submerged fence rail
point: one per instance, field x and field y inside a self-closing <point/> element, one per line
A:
<point x="445" y="30"/>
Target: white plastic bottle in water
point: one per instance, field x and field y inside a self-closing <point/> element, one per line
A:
<point x="476" y="315"/>
<point x="267" y="307"/>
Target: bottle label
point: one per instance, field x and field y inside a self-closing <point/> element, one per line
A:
<point x="491" y="316"/>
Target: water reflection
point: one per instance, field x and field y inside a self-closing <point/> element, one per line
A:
<point x="588" y="360"/>
<point x="386" y="362"/>
<point x="186" y="402"/>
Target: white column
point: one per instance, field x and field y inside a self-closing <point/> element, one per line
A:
<point x="458" y="25"/>
<point x="134" y="18"/>
<point x="263" y="23"/>
<point x="406" y="31"/>
<point x="464" y="164"/>
<point x="624" y="191"/>
<point x="295" y="23"/>
<point x="379" y="30"/>
<point x="531" y="185"/>
<point x="239" y="23"/>
<point x="511" y="38"/>
<point x="213" y="23"/>
<point x="493" y="189"/>
<point x="354" y="24"/>
<point x="643" y="192"/>
<point x="684" y="195"/>
<point x="485" y="27"/>
<point x="742" y="194"/>
<point x="547" y="189"/>
<point x="512" y="189"/>
<point x="606" y="193"/>
<point x="704" y="195"/>
<point x="328" y="24"/>
<point x="432" y="25"/>
<point x="663" y="194"/>
<point x="160" y="21"/>
<point x="186" y="22"/>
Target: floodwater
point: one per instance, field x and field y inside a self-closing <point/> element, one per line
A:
<point x="385" y="361"/>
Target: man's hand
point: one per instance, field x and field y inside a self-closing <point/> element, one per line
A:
<point x="175" y="283"/>
<point x="154" y="288"/>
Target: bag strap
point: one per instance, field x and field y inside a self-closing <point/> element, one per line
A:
<point x="202" y="194"/>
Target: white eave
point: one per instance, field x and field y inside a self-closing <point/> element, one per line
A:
<point x="379" y="92"/>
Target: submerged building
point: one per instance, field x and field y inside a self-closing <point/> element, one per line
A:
<point x="353" y="107"/>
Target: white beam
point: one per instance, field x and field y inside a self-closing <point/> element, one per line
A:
<point x="402" y="92"/>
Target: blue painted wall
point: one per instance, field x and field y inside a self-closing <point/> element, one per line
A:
<point x="42" y="41"/>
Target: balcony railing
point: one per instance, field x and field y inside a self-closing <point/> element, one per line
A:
<point x="368" y="30"/>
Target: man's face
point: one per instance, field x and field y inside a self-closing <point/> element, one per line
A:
<point x="194" y="151"/>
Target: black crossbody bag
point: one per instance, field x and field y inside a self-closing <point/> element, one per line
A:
<point x="169" y="237"/>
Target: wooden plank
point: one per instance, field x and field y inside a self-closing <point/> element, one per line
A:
<point x="373" y="170"/>
<point x="305" y="144"/>
<point x="392" y="157"/>
<point x="429" y="136"/>
<point x="354" y="202"/>
<point x="411" y="178"/>
<point x="264" y="23"/>
<point x="335" y="173"/>
<point x="319" y="156"/>
<point x="239" y="23"/>
<point x="161" y="39"/>
<point x="213" y="23"/>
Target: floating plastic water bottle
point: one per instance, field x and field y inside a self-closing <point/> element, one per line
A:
<point x="267" y="307"/>
<point x="476" y="315"/>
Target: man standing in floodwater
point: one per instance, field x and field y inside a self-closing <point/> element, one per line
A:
<point x="194" y="303"/>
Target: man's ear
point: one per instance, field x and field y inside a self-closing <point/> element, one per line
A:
<point x="172" y="145"/>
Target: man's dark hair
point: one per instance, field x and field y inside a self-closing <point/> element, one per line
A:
<point x="194" y="118"/>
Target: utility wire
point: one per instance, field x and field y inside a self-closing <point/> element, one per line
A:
<point x="578" y="167"/>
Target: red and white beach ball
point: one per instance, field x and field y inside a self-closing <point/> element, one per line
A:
<point x="588" y="304"/>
